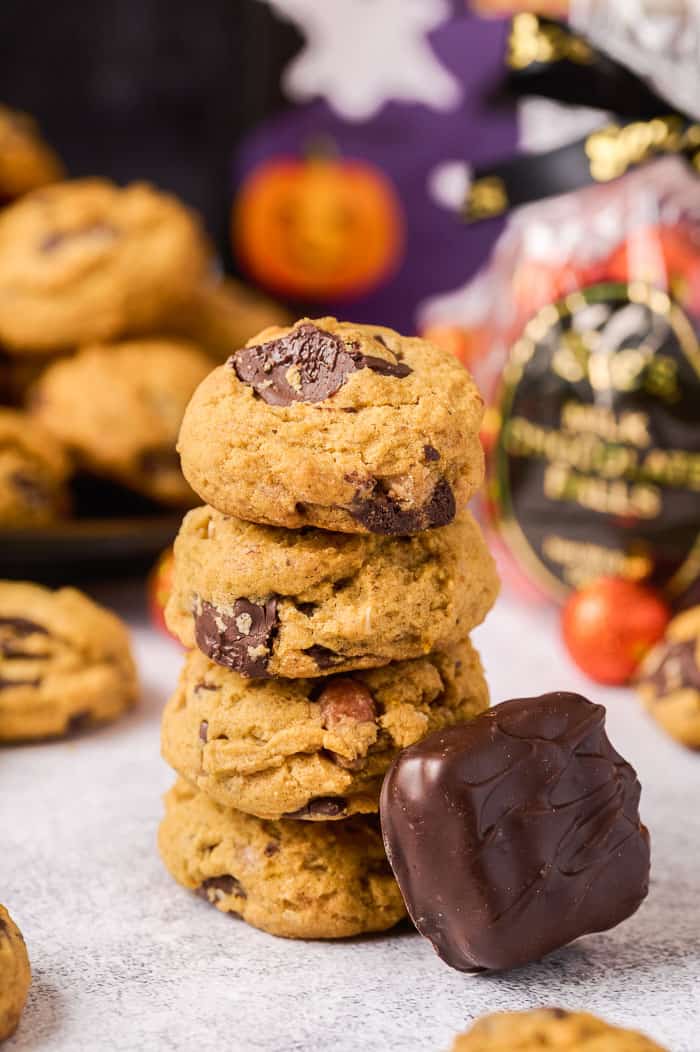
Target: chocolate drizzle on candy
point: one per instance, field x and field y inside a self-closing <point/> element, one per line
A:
<point x="240" y="639"/>
<point x="306" y="365"/>
<point x="515" y="833"/>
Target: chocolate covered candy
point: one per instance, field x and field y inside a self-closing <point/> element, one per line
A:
<point x="515" y="833"/>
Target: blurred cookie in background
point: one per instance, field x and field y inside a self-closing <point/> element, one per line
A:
<point x="65" y="663"/>
<point x="222" y="315"/>
<point x="553" y="1028"/>
<point x="86" y="260"/>
<point x="17" y="374"/>
<point x="117" y="408"/>
<point x="15" y="974"/>
<point x="34" y="471"/>
<point x="669" y="679"/>
<point x="26" y="161"/>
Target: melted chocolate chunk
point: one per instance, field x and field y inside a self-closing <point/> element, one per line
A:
<point x="20" y="626"/>
<point x="204" y="731"/>
<point x="306" y="365"/>
<point x="515" y="833"/>
<point x="321" y="807"/>
<point x="677" y="669"/>
<point x="216" y="888"/>
<point x="380" y="513"/>
<point x="241" y="640"/>
<point x="430" y="453"/>
<point x="323" y="656"/>
<point x="272" y="848"/>
<point x="6" y="684"/>
<point x="204" y="686"/>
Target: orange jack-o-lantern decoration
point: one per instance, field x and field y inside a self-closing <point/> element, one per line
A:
<point x="318" y="228"/>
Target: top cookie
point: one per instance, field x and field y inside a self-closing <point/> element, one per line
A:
<point x="347" y="427"/>
<point x="87" y="260"/>
<point x="549" y="1028"/>
<point x="26" y="161"/>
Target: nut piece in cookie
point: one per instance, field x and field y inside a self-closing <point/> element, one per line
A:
<point x="669" y="679"/>
<point x="516" y="833"/>
<point x="118" y="407"/>
<point x="327" y="880"/>
<point x="266" y="601"/>
<point x="347" y="427"/>
<point x="26" y="161"/>
<point x="313" y="749"/>
<point x="86" y="260"/>
<point x="34" y="470"/>
<point x="549" y="1028"/>
<point x="15" y="974"/>
<point x="65" y="663"/>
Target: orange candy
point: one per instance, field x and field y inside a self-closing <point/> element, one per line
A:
<point x="159" y="586"/>
<point x="610" y="625"/>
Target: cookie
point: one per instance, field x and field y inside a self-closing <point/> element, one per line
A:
<point x="33" y="473"/>
<point x="311" y="749"/>
<point x="86" y="260"/>
<point x="65" y="662"/>
<point x="15" y="974"/>
<point x="18" y="375"/>
<point x="669" y="679"/>
<point x="222" y="315"/>
<point x="26" y="161"/>
<point x="347" y="427"/>
<point x="118" y="407"/>
<point x="272" y="602"/>
<point x="549" y="1028"/>
<point x="324" y="881"/>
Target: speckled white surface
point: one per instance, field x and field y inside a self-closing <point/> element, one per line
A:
<point x="125" y="960"/>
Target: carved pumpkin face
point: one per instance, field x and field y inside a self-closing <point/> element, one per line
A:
<point x="318" y="229"/>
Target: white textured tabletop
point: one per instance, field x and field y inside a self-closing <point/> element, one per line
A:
<point x="124" y="959"/>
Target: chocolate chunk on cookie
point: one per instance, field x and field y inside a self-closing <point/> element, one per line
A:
<point x="340" y="426"/>
<point x="516" y="833"/>
<point x="34" y="472"/>
<point x="669" y="679"/>
<point x="240" y="640"/>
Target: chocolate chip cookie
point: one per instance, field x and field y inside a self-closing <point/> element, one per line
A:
<point x="118" y="407"/>
<point x="87" y="260"/>
<point x="669" y="679"/>
<point x="65" y="662"/>
<point x="33" y="473"/>
<point x="26" y="161"/>
<point x="311" y="749"/>
<point x="549" y="1028"/>
<point x="347" y="427"/>
<point x="272" y="602"/>
<point x="300" y="881"/>
<point x="15" y="974"/>
<point x="221" y="315"/>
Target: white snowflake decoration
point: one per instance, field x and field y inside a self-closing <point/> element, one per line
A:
<point x="360" y="54"/>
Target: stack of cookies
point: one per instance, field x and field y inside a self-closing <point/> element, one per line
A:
<point x="326" y="593"/>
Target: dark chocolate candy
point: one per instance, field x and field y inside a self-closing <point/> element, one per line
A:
<point x="676" y="668"/>
<point x="241" y="640"/>
<point x="516" y="833"/>
<point x="380" y="513"/>
<point x="306" y="365"/>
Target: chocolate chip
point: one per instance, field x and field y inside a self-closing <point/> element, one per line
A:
<point x="96" y="233"/>
<point x="271" y="848"/>
<point x="515" y="833"/>
<point x="203" y="731"/>
<point x="323" y="656"/>
<point x="204" y="686"/>
<point x="79" y="722"/>
<point x="346" y="700"/>
<point x="160" y="460"/>
<point x="307" y="609"/>
<point x="20" y="626"/>
<point x="671" y="667"/>
<point x="306" y="365"/>
<point x="430" y="453"/>
<point x="32" y="491"/>
<point x="216" y="888"/>
<point x="241" y="640"/>
<point x="343" y="761"/>
<point x="321" y="807"/>
<point x="6" y="684"/>
<point x="559" y="1013"/>
<point x="382" y="514"/>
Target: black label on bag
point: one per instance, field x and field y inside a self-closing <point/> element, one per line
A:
<point x="597" y="461"/>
